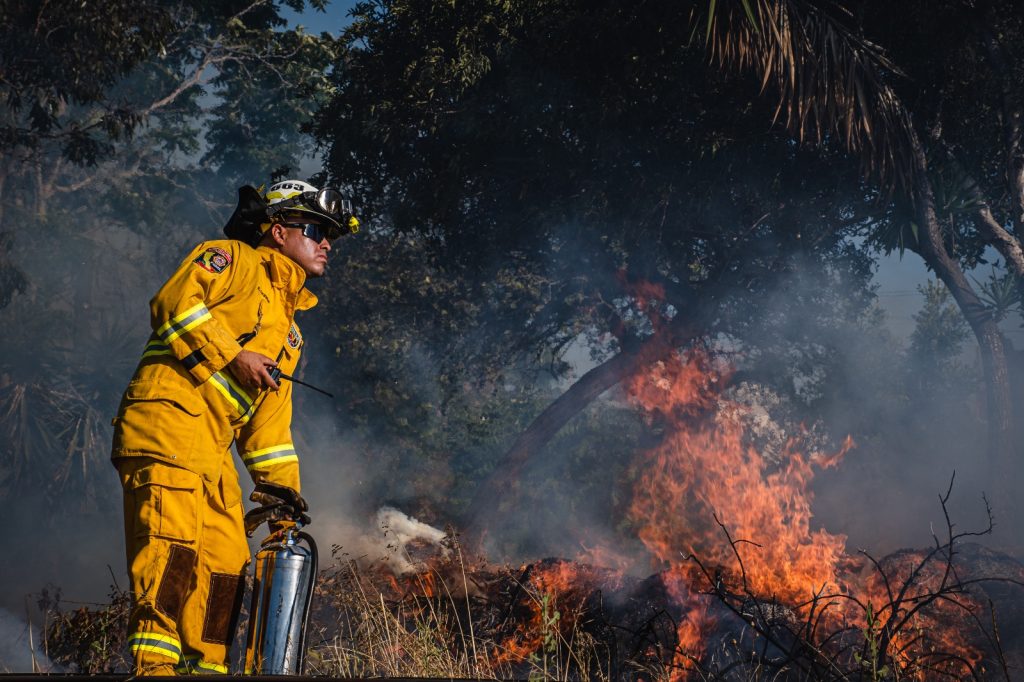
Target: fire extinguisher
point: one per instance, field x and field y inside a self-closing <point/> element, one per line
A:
<point x="282" y="593"/>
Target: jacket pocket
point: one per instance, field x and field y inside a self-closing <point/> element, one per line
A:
<point x="186" y="399"/>
<point x="158" y="420"/>
<point x="165" y="502"/>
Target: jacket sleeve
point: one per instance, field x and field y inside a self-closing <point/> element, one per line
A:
<point x="180" y="311"/>
<point x="265" y="441"/>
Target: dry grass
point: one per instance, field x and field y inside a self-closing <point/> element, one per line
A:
<point x="438" y="625"/>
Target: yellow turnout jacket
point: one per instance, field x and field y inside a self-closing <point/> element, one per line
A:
<point x="183" y="406"/>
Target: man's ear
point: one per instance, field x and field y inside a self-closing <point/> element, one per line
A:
<point x="276" y="233"/>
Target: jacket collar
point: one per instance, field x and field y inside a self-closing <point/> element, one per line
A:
<point x="286" y="274"/>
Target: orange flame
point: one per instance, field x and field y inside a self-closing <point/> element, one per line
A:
<point x="703" y="470"/>
<point x="556" y="587"/>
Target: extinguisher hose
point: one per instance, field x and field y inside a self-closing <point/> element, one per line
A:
<point x="309" y="598"/>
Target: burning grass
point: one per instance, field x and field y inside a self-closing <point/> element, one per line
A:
<point x="924" y="614"/>
<point x="927" y="615"/>
<point x="454" y="620"/>
<point x="741" y="585"/>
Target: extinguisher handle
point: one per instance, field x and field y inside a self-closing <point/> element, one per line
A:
<point x="314" y="556"/>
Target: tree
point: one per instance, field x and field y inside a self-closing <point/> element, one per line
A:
<point x="583" y="176"/>
<point x="940" y="330"/>
<point x="127" y="128"/>
<point x="953" y="155"/>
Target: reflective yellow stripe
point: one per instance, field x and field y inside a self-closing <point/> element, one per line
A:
<point x="157" y="649"/>
<point x="222" y="381"/>
<point x="272" y="456"/>
<point x="155" y="643"/>
<point x="212" y="667"/>
<point x="233" y="393"/>
<point x="154" y="348"/>
<point x="155" y="637"/>
<point x="193" y="664"/>
<point x="183" y="322"/>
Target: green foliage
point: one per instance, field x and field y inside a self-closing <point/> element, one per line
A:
<point x="554" y="157"/>
<point x="70" y="54"/>
<point x="203" y="97"/>
<point x="941" y="329"/>
<point x="871" y="660"/>
<point x="1000" y="292"/>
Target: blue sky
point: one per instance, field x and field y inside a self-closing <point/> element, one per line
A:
<point x="332" y="20"/>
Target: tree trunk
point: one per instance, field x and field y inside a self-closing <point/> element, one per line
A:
<point x="498" y="494"/>
<point x="980" y="319"/>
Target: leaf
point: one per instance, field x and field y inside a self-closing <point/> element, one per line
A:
<point x="711" y="18"/>
<point x="750" y="15"/>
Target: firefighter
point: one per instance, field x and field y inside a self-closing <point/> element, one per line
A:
<point x="222" y="322"/>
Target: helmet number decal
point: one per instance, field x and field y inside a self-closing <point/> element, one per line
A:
<point x="214" y="260"/>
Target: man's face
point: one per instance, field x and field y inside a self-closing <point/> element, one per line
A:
<point x="310" y="255"/>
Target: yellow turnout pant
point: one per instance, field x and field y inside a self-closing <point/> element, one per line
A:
<point x="187" y="556"/>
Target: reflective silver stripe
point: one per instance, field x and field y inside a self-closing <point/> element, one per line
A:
<point x="233" y="394"/>
<point x="158" y="644"/>
<point x="178" y="325"/>
<point x="155" y="348"/>
<point x="277" y="454"/>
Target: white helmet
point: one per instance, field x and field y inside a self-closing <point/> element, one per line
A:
<point x="250" y="219"/>
<point x="296" y="196"/>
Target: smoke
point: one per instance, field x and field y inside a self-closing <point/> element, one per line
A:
<point x="846" y="376"/>
<point x="822" y="369"/>
<point x="915" y="419"/>
<point x="20" y="650"/>
<point x="77" y="333"/>
<point x="399" y="533"/>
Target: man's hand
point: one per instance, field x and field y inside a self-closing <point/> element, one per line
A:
<point x="276" y="516"/>
<point x="252" y="370"/>
<point x="281" y="506"/>
<point x="269" y="494"/>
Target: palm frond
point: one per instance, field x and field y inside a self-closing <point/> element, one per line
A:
<point x="833" y="83"/>
<point x="999" y="293"/>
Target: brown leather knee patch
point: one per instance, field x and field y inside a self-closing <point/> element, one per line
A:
<point x="222" y="608"/>
<point x="176" y="580"/>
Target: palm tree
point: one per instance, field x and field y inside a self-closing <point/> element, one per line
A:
<point x="835" y="85"/>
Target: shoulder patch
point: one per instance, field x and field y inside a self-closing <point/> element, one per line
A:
<point x="294" y="338"/>
<point x="214" y="259"/>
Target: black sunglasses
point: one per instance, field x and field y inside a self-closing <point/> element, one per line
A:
<point x="316" y="232"/>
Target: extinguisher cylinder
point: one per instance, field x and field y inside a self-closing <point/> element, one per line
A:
<point x="285" y="573"/>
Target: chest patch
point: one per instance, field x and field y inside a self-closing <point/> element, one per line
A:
<point x="214" y="260"/>
<point x="294" y="337"/>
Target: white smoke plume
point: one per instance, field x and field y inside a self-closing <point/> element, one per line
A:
<point x="19" y="647"/>
<point x="399" y="531"/>
<point x="394" y="539"/>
